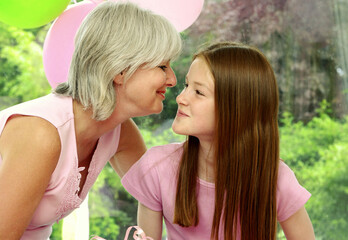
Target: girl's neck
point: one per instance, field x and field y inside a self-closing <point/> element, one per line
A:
<point x="206" y="163"/>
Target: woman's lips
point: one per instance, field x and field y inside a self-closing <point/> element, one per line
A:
<point x="161" y="93"/>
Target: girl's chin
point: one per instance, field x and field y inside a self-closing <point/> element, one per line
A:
<point x="177" y="130"/>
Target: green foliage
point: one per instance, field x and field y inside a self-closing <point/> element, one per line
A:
<point x="301" y="144"/>
<point x="104" y="227"/>
<point x="110" y="204"/>
<point x="160" y="137"/>
<point x="317" y="153"/>
<point x="57" y="231"/>
<point x="327" y="180"/>
<point x="21" y="70"/>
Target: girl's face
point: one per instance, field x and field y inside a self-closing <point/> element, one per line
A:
<point x="196" y="108"/>
<point x="143" y="93"/>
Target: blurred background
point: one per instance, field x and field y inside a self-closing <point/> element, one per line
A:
<point x="307" y="45"/>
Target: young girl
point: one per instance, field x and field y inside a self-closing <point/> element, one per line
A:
<point x="226" y="181"/>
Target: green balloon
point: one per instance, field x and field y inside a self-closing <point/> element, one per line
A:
<point x="30" y="13"/>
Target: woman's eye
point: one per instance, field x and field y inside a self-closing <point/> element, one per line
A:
<point x="163" y="67"/>
<point x="185" y="85"/>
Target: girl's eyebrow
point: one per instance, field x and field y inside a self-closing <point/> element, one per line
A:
<point x="204" y="85"/>
<point x="200" y="84"/>
<point x="195" y="82"/>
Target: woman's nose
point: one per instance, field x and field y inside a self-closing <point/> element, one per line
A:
<point x="171" y="78"/>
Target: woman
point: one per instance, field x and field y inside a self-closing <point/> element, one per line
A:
<point x="53" y="148"/>
<point x="226" y="181"/>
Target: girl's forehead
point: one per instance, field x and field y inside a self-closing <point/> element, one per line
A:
<point x="199" y="65"/>
<point x="200" y="74"/>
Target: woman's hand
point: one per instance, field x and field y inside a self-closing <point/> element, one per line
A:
<point x="30" y="149"/>
<point x="298" y="226"/>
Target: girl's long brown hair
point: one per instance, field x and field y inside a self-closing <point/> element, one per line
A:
<point x="246" y="147"/>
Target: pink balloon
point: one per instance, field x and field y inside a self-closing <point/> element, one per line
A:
<point x="181" y="13"/>
<point x="59" y="43"/>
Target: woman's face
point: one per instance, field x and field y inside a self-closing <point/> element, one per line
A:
<point x="196" y="108"/>
<point x="143" y="93"/>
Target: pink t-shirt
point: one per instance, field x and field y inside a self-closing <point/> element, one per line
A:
<point x="152" y="181"/>
<point x="61" y="197"/>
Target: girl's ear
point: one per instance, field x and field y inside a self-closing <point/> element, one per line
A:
<point x="119" y="78"/>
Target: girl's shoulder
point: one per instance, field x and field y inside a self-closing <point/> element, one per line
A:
<point x="150" y="178"/>
<point x="284" y="172"/>
<point x="165" y="151"/>
<point x="291" y="195"/>
<point x="160" y="158"/>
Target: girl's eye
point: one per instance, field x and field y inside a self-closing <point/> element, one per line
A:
<point x="199" y="92"/>
<point x="196" y="91"/>
<point x="163" y="67"/>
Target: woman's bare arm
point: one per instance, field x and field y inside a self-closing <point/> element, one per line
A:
<point x="30" y="149"/>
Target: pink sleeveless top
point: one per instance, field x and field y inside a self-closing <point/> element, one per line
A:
<point x="61" y="196"/>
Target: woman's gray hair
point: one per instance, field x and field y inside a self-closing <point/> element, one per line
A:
<point x="114" y="38"/>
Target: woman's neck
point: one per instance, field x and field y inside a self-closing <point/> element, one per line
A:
<point x="89" y="130"/>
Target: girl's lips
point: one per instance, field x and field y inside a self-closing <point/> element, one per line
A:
<point x="181" y="114"/>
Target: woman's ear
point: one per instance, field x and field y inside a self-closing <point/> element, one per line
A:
<point x="119" y="78"/>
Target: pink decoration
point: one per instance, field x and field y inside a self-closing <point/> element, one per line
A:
<point x="181" y="13"/>
<point x="138" y="234"/>
<point x="59" y="43"/>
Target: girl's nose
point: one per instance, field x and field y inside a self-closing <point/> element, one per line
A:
<point x="181" y="99"/>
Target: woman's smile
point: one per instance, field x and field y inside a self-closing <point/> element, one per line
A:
<point x="161" y="93"/>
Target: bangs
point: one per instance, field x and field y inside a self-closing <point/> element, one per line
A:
<point x="163" y="43"/>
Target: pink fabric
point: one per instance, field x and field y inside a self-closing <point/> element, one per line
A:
<point x="138" y="234"/>
<point x="61" y="197"/>
<point x="152" y="181"/>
